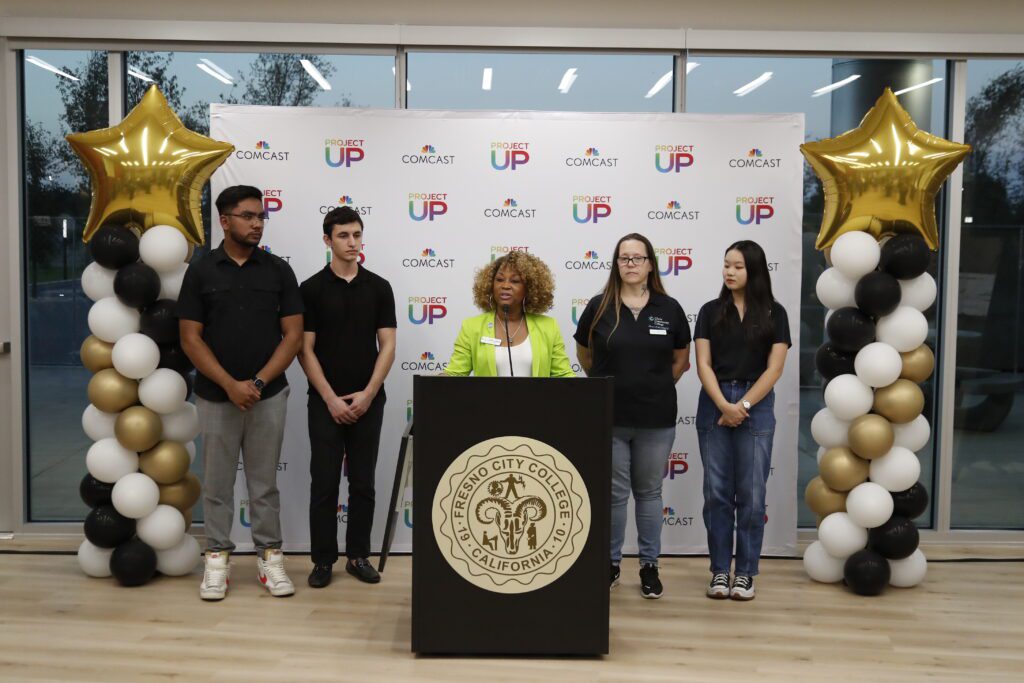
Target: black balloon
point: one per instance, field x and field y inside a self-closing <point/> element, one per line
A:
<point x="877" y="294"/>
<point x="850" y="329"/>
<point x="171" y="356"/>
<point x="114" y="246"/>
<point x="905" y="256"/>
<point x="831" y="362"/>
<point x="160" y="322"/>
<point x="866" y="572"/>
<point x="94" y="492"/>
<point x="910" y="503"/>
<point x="133" y="563"/>
<point x="105" y="527"/>
<point x="137" y="285"/>
<point x="896" y="539"/>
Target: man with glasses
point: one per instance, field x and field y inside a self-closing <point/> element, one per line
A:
<point x="240" y="315"/>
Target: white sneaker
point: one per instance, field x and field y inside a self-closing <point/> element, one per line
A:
<point x="719" y="587"/>
<point x="742" y="588"/>
<point x="272" y="575"/>
<point x="216" y="577"/>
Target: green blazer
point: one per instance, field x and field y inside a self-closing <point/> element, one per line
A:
<point x="472" y="356"/>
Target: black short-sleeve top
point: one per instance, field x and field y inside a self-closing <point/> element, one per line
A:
<point x="739" y="351"/>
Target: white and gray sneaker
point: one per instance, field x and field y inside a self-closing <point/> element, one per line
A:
<point x="718" y="589"/>
<point x="271" y="573"/>
<point x="742" y="588"/>
<point x="216" y="577"/>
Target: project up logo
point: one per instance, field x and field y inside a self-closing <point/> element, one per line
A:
<point x="427" y="309"/>
<point x="587" y="208"/>
<point x="754" y="210"/>
<point x="427" y="206"/>
<point x="343" y="152"/>
<point x="673" y="158"/>
<point x="509" y="156"/>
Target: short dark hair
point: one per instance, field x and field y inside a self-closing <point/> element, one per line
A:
<point x="340" y="215"/>
<point x="230" y="197"/>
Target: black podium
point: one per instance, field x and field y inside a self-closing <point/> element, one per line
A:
<point x="511" y="500"/>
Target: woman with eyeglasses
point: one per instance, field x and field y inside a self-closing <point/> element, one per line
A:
<point x="635" y="332"/>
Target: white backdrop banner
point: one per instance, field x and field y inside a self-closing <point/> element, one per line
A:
<point x="444" y="193"/>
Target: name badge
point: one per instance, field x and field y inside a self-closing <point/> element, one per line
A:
<point x="656" y="331"/>
<point x="493" y="341"/>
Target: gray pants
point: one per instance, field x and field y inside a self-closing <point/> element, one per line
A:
<point x="258" y="434"/>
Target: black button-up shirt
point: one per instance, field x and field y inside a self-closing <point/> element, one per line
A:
<point x="345" y="317"/>
<point x="240" y="307"/>
<point x="735" y="353"/>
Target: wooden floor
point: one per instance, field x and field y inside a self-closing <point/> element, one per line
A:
<point x="966" y="623"/>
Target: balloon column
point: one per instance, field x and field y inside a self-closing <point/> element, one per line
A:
<point x="147" y="177"/>
<point x="880" y="182"/>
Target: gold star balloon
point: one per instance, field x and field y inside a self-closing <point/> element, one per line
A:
<point x="148" y="170"/>
<point x="882" y="176"/>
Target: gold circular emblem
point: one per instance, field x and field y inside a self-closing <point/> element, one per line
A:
<point x="511" y="514"/>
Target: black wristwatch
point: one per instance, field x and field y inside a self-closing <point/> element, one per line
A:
<point x="258" y="383"/>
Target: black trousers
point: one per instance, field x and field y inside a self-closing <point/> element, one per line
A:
<point x="330" y="443"/>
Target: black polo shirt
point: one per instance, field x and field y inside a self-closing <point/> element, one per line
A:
<point x="735" y="355"/>
<point x="345" y="317"/>
<point x="639" y="356"/>
<point x="240" y="307"/>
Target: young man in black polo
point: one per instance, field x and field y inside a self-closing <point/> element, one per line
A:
<point x="347" y="351"/>
<point x="240" y="317"/>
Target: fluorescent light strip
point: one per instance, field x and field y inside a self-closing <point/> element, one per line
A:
<point x="49" y="67"/>
<point x="222" y="72"/>
<point x="835" y="86"/>
<point x="315" y="74"/>
<point x="213" y="73"/>
<point x="753" y="85"/>
<point x="690" y="66"/>
<point x="568" y="78"/>
<point x="919" y="85"/>
<point x="488" y="75"/>
<point x="139" y="75"/>
<point x="659" y="86"/>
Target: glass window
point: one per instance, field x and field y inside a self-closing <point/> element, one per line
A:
<point x="560" y="81"/>
<point x="988" y="424"/>
<point x="759" y="85"/>
<point x="64" y="91"/>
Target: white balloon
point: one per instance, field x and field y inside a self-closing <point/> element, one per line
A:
<point x="904" y="329"/>
<point x="869" y="505"/>
<point x="162" y="528"/>
<point x="840" y="536"/>
<point x="163" y="391"/>
<point x="163" y="248"/>
<point x="897" y="470"/>
<point x="855" y="254"/>
<point x="909" y="571"/>
<point x="191" y="448"/>
<point x="828" y="430"/>
<point x="135" y="355"/>
<point x="828" y="314"/>
<point x="97" y="424"/>
<point x="170" y="283"/>
<point x="848" y="398"/>
<point x="109" y="461"/>
<point x="912" y="435"/>
<point x="878" y="364"/>
<point x="821" y="566"/>
<point x="135" y="495"/>
<point x="918" y="292"/>
<point x="821" y="452"/>
<point x="93" y="560"/>
<point x="109" y="319"/>
<point x="181" y="425"/>
<point x="180" y="559"/>
<point x="97" y="281"/>
<point x="834" y="289"/>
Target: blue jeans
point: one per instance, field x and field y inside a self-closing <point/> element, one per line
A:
<point x="736" y="464"/>
<point x="638" y="465"/>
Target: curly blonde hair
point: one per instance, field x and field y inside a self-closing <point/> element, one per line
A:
<point x="540" y="283"/>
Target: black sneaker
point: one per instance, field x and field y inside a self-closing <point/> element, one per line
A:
<point x="719" y="587"/>
<point x="320" y="577"/>
<point x="650" y="584"/>
<point x="742" y="588"/>
<point x="615" y="575"/>
<point x="362" y="570"/>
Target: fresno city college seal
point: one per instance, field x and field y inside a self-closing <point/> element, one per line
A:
<point x="511" y="514"/>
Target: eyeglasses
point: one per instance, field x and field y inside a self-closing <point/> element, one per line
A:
<point x="632" y="260"/>
<point x="249" y="216"/>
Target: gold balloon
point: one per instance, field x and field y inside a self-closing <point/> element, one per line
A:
<point x="900" y="402"/>
<point x="165" y="463"/>
<point x="138" y="428"/>
<point x="112" y="392"/>
<point x="822" y="500"/>
<point x="149" y="164"/>
<point x="841" y="469"/>
<point x="871" y="436"/>
<point x="918" y="364"/>
<point x="182" y="494"/>
<point x="882" y="176"/>
<point x="96" y="354"/>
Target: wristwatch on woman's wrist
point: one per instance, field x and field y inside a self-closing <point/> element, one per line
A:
<point x="746" y="404"/>
<point x="258" y="383"/>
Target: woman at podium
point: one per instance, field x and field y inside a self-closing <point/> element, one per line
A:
<point x="512" y="337"/>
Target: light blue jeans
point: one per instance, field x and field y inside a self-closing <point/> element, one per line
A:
<point x="638" y="465"/>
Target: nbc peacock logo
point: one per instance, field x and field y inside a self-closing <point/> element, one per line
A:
<point x="344" y="200"/>
<point x="428" y="252"/>
<point x="428" y="149"/>
<point x="591" y="152"/>
<point x="590" y="255"/>
<point x="755" y="152"/>
<point x="262" y="144"/>
<point x="510" y="202"/>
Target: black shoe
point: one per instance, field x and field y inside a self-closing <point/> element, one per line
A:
<point x="362" y="570"/>
<point x="650" y="584"/>
<point x="320" y="577"/>
<point x="615" y="576"/>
